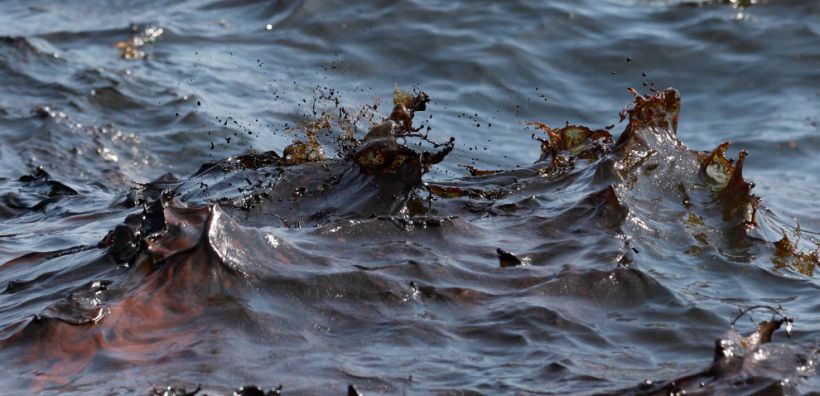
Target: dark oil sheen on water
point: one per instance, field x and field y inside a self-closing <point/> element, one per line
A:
<point x="416" y="197"/>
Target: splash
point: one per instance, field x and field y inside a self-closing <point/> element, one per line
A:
<point x="266" y="251"/>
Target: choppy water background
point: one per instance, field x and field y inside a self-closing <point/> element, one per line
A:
<point x="370" y="301"/>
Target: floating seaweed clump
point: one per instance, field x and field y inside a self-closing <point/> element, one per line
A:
<point x="344" y="127"/>
<point x="311" y="149"/>
<point x="132" y="48"/>
<point x="787" y="256"/>
<point x="726" y="178"/>
<point x="402" y="98"/>
<point x="578" y="141"/>
<point x="740" y="363"/>
<point x="658" y="112"/>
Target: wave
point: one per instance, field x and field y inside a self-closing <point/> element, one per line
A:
<point x="296" y="252"/>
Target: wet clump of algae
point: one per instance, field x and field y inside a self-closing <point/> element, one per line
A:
<point x="721" y="213"/>
<point x="788" y="256"/>
<point x="132" y="48"/>
<point x="372" y="151"/>
<point x="734" y="356"/>
<point x="729" y="196"/>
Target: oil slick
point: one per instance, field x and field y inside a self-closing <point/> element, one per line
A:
<point x="188" y="250"/>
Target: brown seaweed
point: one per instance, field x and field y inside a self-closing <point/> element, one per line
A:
<point x="311" y="149"/>
<point x="733" y="356"/>
<point x="132" y="48"/>
<point x="658" y="112"/>
<point x="788" y="256"/>
<point x="573" y="140"/>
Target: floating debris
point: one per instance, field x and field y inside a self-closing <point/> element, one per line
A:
<point x="734" y="364"/>
<point x="573" y="140"/>
<point x="474" y="172"/>
<point x="132" y="48"/>
<point x="507" y="259"/>
<point x="175" y="391"/>
<point x="252" y="390"/>
<point x="787" y="256"/>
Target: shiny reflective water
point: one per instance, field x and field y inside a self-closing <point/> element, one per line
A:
<point x="155" y="232"/>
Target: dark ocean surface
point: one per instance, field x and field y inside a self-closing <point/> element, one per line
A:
<point x="155" y="233"/>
